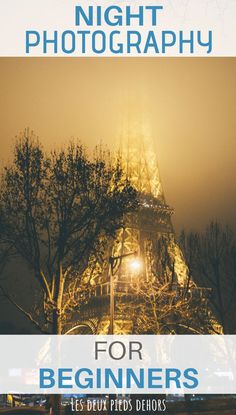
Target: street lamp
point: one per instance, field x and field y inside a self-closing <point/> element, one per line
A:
<point x="114" y="265"/>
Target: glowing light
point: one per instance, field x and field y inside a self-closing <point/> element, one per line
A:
<point x="135" y="265"/>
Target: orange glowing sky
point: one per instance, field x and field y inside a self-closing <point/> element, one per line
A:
<point x="191" y="104"/>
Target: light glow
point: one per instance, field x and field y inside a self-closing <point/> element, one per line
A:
<point x="135" y="265"/>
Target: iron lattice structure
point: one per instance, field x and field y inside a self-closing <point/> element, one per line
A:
<point x="144" y="233"/>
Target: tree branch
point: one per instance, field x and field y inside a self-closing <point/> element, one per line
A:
<point x="26" y="313"/>
<point x="46" y="285"/>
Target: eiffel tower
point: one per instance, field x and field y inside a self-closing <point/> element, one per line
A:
<point x="142" y="232"/>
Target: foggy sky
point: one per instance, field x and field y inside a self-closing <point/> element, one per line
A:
<point x="191" y="105"/>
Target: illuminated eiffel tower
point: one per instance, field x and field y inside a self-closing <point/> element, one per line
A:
<point x="143" y="232"/>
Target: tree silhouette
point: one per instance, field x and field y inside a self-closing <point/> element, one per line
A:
<point x="59" y="212"/>
<point x="211" y="257"/>
<point x="164" y="305"/>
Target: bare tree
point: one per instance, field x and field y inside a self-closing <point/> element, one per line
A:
<point x="211" y="257"/>
<point x="59" y="212"/>
<point x="163" y="305"/>
<point x="6" y="252"/>
<point x="163" y="309"/>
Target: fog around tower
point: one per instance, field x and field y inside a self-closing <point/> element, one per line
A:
<point x="190" y="105"/>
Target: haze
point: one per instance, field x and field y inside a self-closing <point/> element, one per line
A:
<point x="190" y="103"/>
